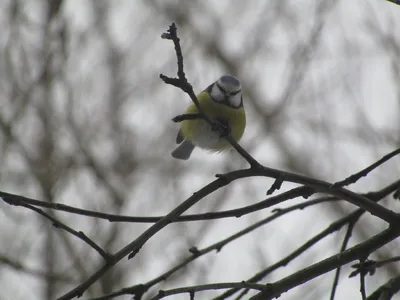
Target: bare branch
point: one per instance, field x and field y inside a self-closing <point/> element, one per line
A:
<point x="215" y="286"/>
<point x="355" y="177"/>
<point x="362" y="286"/>
<point x="58" y="224"/>
<point x="346" y="240"/>
<point x="238" y="212"/>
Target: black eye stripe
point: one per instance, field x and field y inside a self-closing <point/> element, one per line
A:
<point x="235" y="93"/>
<point x="221" y="88"/>
<point x="226" y="92"/>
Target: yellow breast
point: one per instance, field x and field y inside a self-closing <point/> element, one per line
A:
<point x="199" y="132"/>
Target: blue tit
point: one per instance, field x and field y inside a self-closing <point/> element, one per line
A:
<point x="221" y="101"/>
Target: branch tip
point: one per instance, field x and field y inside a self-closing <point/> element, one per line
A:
<point x="276" y="185"/>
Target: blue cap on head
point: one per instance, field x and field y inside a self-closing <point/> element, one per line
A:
<point x="229" y="79"/>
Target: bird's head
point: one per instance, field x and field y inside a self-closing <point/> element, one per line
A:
<point x="227" y="90"/>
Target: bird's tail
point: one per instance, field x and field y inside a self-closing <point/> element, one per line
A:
<point x="183" y="151"/>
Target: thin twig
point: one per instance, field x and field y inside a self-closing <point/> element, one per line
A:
<point x="80" y="234"/>
<point x="383" y="262"/>
<point x="205" y="287"/>
<point x="342" y="248"/>
<point x="355" y="177"/>
<point x="275" y="186"/>
<point x="137" y="291"/>
<point x="362" y="283"/>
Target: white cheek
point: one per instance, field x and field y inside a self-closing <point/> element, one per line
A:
<point x="216" y="94"/>
<point x="236" y="100"/>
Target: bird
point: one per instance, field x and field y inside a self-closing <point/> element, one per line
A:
<point x="222" y="102"/>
